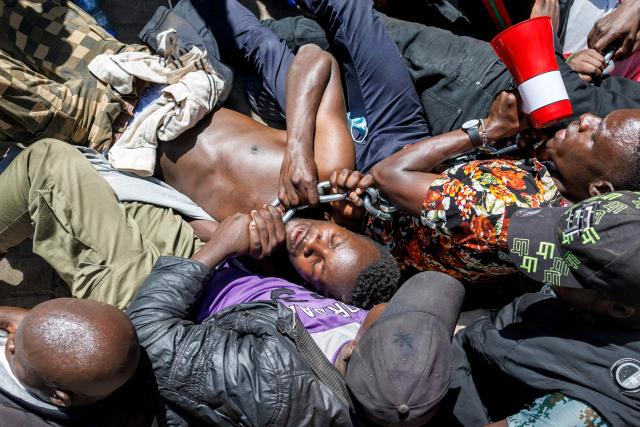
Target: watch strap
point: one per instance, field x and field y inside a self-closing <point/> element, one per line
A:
<point x="474" y="135"/>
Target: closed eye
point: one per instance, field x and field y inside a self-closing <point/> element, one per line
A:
<point x="336" y="240"/>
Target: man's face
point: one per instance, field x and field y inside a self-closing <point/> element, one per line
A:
<point x="327" y="256"/>
<point x="589" y="149"/>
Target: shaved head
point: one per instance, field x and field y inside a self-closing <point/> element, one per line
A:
<point x="625" y="133"/>
<point x="74" y="352"/>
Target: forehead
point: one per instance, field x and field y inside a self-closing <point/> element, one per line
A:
<point x="618" y="135"/>
<point x="621" y="126"/>
<point x="350" y="259"/>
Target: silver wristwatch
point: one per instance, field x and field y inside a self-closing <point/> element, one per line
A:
<point x="476" y="131"/>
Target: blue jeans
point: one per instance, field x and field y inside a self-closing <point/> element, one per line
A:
<point x="378" y="84"/>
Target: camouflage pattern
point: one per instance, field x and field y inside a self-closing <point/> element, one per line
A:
<point x="556" y="409"/>
<point x="46" y="89"/>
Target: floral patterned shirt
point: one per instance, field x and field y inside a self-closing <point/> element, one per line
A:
<point x="462" y="230"/>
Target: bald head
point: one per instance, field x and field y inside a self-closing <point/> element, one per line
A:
<point x="73" y="352"/>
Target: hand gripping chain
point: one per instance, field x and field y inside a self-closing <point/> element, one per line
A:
<point x="372" y="197"/>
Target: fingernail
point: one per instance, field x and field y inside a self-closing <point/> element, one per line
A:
<point x="252" y="225"/>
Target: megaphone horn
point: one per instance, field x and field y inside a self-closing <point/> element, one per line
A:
<point x="527" y="51"/>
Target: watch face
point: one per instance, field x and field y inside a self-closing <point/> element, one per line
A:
<point x="474" y="123"/>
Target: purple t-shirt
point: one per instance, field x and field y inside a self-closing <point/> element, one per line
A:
<point x="331" y="323"/>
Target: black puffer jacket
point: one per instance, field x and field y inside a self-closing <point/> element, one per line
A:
<point x="250" y="365"/>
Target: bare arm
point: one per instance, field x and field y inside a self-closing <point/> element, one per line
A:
<point x="256" y="234"/>
<point x="317" y="136"/>
<point x="203" y="228"/>
<point x="620" y="27"/>
<point x="405" y="176"/>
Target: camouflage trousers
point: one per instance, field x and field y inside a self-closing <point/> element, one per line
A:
<point x="46" y="89"/>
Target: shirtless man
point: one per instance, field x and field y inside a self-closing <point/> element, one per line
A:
<point x="406" y="177"/>
<point x="325" y="254"/>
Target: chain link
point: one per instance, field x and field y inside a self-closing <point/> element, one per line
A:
<point x="372" y="197"/>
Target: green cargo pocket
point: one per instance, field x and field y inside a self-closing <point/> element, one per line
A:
<point x="90" y="272"/>
<point x="68" y="251"/>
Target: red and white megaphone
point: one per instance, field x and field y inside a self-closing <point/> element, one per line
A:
<point x="527" y="51"/>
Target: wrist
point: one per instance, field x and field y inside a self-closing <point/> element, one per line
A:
<point x="297" y="146"/>
<point x="475" y="129"/>
<point x="493" y="130"/>
<point x="483" y="132"/>
<point x="216" y="251"/>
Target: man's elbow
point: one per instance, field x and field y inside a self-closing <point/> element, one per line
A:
<point x="383" y="175"/>
<point x="315" y="54"/>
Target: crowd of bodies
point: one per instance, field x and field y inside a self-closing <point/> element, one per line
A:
<point x="196" y="304"/>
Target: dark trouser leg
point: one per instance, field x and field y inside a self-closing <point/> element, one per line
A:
<point x="391" y="104"/>
<point x="241" y="36"/>
<point x="456" y="77"/>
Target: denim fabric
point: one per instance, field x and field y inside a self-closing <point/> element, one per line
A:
<point x="242" y="39"/>
<point x="456" y="77"/>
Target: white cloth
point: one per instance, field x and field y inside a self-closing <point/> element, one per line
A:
<point x="4" y="364"/>
<point x="195" y="87"/>
<point x="582" y="17"/>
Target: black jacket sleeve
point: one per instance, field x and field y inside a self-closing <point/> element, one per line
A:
<point x="161" y="311"/>
<point x="165" y="301"/>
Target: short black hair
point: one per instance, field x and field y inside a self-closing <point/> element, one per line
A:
<point x="378" y="281"/>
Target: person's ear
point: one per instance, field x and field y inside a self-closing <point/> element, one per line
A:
<point x="11" y="343"/>
<point x="600" y="186"/>
<point x="620" y="311"/>
<point x="60" y="398"/>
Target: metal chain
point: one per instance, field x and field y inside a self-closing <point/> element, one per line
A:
<point x="371" y="198"/>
